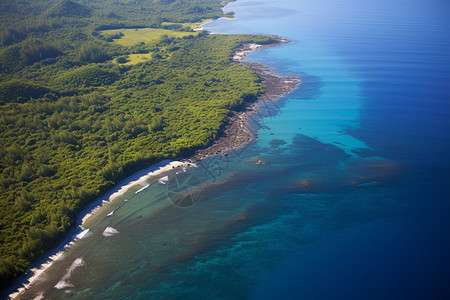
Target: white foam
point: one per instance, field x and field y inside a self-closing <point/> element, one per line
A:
<point x="154" y="170"/>
<point x="109" y="231"/>
<point x="83" y="234"/>
<point x="163" y="180"/>
<point x="140" y="190"/>
<point x="64" y="283"/>
<point x="39" y="296"/>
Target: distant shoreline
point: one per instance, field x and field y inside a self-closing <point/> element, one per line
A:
<point x="237" y="132"/>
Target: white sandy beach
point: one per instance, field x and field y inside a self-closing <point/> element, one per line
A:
<point x="36" y="272"/>
<point x="241" y="54"/>
<point x="140" y="181"/>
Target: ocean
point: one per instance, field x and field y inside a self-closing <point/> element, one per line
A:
<point x="344" y="194"/>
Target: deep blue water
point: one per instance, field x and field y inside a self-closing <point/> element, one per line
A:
<point x="352" y="201"/>
<point x="383" y="72"/>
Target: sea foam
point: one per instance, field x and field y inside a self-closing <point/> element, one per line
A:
<point x="109" y="231"/>
<point x="40" y="296"/>
<point x="83" y="234"/>
<point x="140" y="190"/>
<point x="64" y="283"/>
<point x="163" y="180"/>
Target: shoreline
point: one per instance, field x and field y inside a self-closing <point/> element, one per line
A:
<point x="125" y="185"/>
<point x="139" y="178"/>
<point x="235" y="134"/>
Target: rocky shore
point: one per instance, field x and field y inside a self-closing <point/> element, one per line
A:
<point x="237" y="132"/>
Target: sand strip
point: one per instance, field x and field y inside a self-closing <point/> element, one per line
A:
<point x="39" y="267"/>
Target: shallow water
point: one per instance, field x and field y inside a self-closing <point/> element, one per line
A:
<point x="351" y="200"/>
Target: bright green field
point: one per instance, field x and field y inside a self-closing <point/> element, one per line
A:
<point x="134" y="59"/>
<point x="192" y="25"/>
<point x="146" y="35"/>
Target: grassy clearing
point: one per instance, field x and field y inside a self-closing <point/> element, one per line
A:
<point x="132" y="37"/>
<point x="134" y="59"/>
<point x="190" y="25"/>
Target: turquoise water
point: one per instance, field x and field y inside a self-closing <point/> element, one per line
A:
<point x="351" y="201"/>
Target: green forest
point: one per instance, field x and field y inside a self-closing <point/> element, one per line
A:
<point x="77" y="114"/>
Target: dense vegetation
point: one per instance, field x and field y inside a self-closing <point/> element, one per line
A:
<point x="74" y="119"/>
